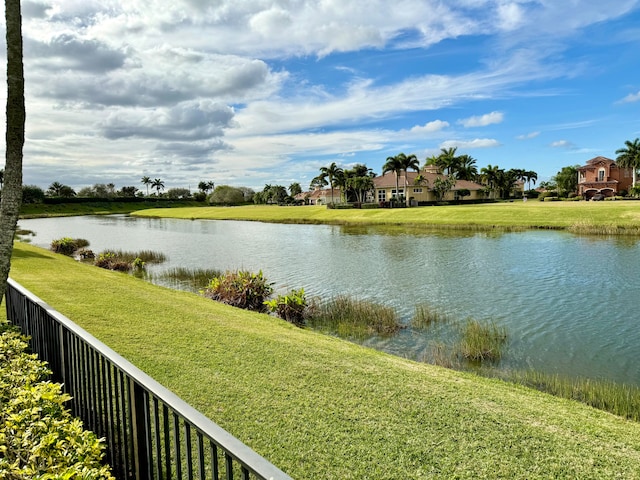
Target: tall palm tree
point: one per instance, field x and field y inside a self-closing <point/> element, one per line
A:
<point x="530" y="176"/>
<point x="158" y="185"/>
<point x="466" y="168"/>
<point x="332" y="172"/>
<point x="394" y="165"/>
<point x="408" y="162"/>
<point x="15" y="120"/>
<point x="629" y="157"/>
<point x="447" y="160"/>
<point x="490" y="176"/>
<point x="146" y="181"/>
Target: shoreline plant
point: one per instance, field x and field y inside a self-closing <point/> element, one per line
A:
<point x="291" y="307"/>
<point x="240" y="288"/>
<point x="349" y="317"/>
<point x="67" y="245"/>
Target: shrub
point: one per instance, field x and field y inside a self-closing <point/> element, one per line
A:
<point x="289" y="307"/>
<point x="241" y="289"/>
<point x="67" y="245"/>
<point x="38" y="436"/>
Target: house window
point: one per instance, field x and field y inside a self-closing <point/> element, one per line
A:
<point x="400" y="192"/>
<point x="382" y="195"/>
<point x="417" y="190"/>
<point x="601" y="175"/>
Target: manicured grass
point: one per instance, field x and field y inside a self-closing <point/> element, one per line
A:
<point x="320" y="407"/>
<point x="616" y="217"/>
<point x="34" y="210"/>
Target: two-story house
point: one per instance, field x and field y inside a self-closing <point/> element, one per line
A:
<point x="602" y="175"/>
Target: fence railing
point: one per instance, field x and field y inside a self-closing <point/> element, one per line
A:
<point x="150" y="433"/>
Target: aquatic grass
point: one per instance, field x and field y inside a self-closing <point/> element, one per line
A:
<point x="481" y="341"/>
<point x="147" y="256"/>
<point x="193" y="279"/>
<point x="424" y="316"/>
<point x="620" y="399"/>
<point x="349" y="317"/>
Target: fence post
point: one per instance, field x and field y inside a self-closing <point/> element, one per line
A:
<point x="141" y="430"/>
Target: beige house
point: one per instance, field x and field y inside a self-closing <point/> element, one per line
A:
<point x="385" y="187"/>
<point x="320" y="196"/>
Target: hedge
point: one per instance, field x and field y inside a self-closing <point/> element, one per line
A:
<point x="39" y="439"/>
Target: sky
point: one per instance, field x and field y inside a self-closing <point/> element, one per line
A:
<point x="255" y="92"/>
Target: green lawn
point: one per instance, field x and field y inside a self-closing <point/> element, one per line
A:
<point x="613" y="216"/>
<point x="323" y="408"/>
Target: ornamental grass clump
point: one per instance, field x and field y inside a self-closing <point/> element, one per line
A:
<point x="354" y="318"/>
<point x="38" y="436"/>
<point x="241" y="288"/>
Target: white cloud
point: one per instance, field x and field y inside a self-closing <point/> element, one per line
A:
<point x="528" y="136"/>
<point x="632" y="97"/>
<point x="430" y="127"/>
<point x="510" y="16"/>
<point x="562" y="144"/>
<point x="482" y="120"/>
<point x="469" y="144"/>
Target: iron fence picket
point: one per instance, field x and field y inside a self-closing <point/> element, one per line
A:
<point x="150" y="433"/>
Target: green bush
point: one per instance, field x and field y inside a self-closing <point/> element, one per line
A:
<point x="38" y="436"/>
<point x="241" y="289"/>
<point x="289" y="307"/>
<point x="67" y="245"/>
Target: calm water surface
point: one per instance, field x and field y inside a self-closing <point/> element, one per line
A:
<point x="570" y="303"/>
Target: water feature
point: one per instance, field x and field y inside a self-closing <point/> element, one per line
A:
<point x="569" y="302"/>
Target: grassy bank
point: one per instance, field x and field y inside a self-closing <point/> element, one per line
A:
<point x="319" y="407"/>
<point x="620" y="217"/>
<point x="36" y="210"/>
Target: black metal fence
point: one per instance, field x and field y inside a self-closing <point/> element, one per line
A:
<point x="150" y="433"/>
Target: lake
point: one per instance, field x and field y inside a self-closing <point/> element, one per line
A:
<point x="569" y="303"/>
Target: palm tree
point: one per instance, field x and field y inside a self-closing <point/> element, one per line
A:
<point x="55" y="188"/>
<point x="15" y="120"/>
<point x="393" y="164"/>
<point x="158" y="185"/>
<point x="466" y="168"/>
<point x="146" y="181"/>
<point x="447" y="161"/>
<point x="332" y="172"/>
<point x="490" y="176"/>
<point x="629" y="157"/>
<point x="408" y="162"/>
<point x="530" y="175"/>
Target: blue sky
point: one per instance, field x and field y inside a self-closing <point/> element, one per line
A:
<point x="253" y="92"/>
